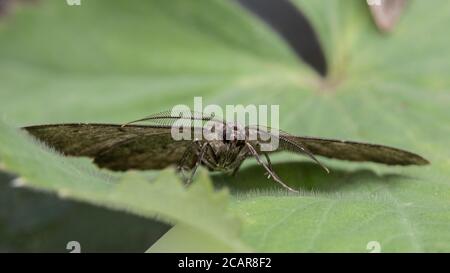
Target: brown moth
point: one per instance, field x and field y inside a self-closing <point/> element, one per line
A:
<point x="142" y="147"/>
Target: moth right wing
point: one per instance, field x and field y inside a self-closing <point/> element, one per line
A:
<point x="358" y="151"/>
<point x="341" y="149"/>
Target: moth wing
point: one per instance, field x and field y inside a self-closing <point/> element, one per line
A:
<point x="146" y="152"/>
<point x="113" y="146"/>
<point x="84" y="139"/>
<point x="357" y="151"/>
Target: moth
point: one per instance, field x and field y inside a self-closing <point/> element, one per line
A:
<point x="152" y="146"/>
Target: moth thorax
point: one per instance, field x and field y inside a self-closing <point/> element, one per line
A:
<point x="233" y="132"/>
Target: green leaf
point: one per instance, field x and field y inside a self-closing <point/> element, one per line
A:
<point x="31" y="221"/>
<point x="182" y="238"/>
<point x="116" y="61"/>
<point x="161" y="195"/>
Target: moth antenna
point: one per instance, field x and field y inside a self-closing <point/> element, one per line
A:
<point x="307" y="152"/>
<point x="131" y="122"/>
<point x="296" y="145"/>
<point x="166" y="115"/>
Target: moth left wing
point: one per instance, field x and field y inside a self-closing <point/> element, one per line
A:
<point x="85" y="139"/>
<point x="114" y="146"/>
<point x="146" y="152"/>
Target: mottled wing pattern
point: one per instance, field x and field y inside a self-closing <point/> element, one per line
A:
<point x="113" y="146"/>
<point x="357" y="151"/>
<point x="146" y="152"/>
<point x="152" y="147"/>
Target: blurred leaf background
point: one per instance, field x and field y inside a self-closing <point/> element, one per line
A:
<point x="115" y="61"/>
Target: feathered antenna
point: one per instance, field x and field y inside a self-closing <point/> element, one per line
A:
<point x="287" y="143"/>
<point x="168" y="118"/>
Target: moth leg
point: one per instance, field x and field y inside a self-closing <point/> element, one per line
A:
<point x="269" y="164"/>
<point x="203" y="148"/>
<point x="236" y="169"/>
<point x="184" y="164"/>
<point x="272" y="174"/>
<point x="212" y="156"/>
<point x="243" y="153"/>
